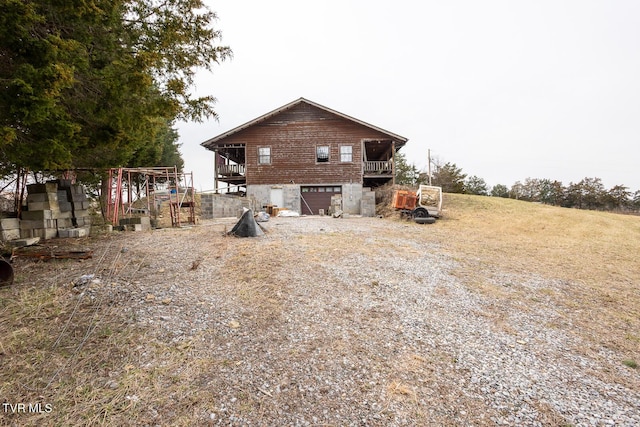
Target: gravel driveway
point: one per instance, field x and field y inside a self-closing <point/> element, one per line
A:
<point x="361" y="321"/>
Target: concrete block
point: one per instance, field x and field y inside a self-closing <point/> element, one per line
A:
<point x="62" y="215"/>
<point x="65" y="233"/>
<point x="136" y="224"/>
<point x="49" y="187"/>
<point x="73" y="232"/>
<point x="25" y="242"/>
<point x="77" y="189"/>
<point x="37" y="197"/>
<point x="7" y="235"/>
<point x="37" y="215"/>
<point x="143" y="220"/>
<point x="43" y="206"/>
<point x="75" y="197"/>
<point x="42" y="197"/>
<point x="65" y="206"/>
<point x="82" y="222"/>
<point x="64" y="223"/>
<point x="38" y="223"/>
<point x="43" y="233"/>
<point x="62" y="183"/>
<point x="9" y="223"/>
<point x="62" y="196"/>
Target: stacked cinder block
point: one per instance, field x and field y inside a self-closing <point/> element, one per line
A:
<point x="336" y="205"/>
<point x="142" y="223"/>
<point x="43" y="212"/>
<point x="206" y="205"/>
<point x="9" y="229"/>
<point x="368" y="203"/>
<point x="56" y="208"/>
<point x="223" y="205"/>
<point x="77" y="199"/>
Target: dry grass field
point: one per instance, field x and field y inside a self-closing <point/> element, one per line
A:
<point x="595" y="255"/>
<point x="189" y="327"/>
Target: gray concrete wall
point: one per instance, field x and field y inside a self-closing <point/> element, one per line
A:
<point x="368" y="203"/>
<point x="223" y="206"/>
<point x="292" y="197"/>
<point x="351" y="197"/>
<point x="262" y="195"/>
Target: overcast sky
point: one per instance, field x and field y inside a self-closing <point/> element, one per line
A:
<point x="504" y="89"/>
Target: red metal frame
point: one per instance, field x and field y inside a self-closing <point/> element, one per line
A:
<point x="121" y="196"/>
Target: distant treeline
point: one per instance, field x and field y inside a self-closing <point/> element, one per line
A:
<point x="589" y="193"/>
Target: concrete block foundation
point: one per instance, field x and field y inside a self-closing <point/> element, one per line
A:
<point x="213" y="205"/>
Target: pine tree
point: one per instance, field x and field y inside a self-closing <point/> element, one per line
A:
<point x="450" y="178"/>
<point x="90" y="83"/>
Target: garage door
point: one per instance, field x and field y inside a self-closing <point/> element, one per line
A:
<point x="316" y="197"/>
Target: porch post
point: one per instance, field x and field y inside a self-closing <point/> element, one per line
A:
<point x="393" y="162"/>
<point x="215" y="170"/>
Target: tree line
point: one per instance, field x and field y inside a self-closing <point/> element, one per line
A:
<point x="589" y="193"/>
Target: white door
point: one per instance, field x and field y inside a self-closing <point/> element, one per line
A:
<point x="277" y="197"/>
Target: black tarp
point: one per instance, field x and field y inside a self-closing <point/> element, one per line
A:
<point x="246" y="226"/>
<point x="6" y="273"/>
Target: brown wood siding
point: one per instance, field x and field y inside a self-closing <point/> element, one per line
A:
<point x="293" y="136"/>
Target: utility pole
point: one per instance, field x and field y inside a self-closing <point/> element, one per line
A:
<point x="429" y="164"/>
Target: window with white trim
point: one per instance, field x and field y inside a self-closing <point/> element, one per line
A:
<point x="264" y="155"/>
<point x="322" y="153"/>
<point x="346" y="153"/>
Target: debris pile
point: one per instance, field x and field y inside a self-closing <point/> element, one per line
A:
<point x="384" y="198"/>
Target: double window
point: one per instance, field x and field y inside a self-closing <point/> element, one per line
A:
<point x="322" y="154"/>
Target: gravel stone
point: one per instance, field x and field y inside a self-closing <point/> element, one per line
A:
<point x="370" y="326"/>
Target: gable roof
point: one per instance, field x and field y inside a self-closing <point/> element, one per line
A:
<point x="400" y="140"/>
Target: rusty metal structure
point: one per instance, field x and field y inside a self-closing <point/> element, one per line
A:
<point x="141" y="191"/>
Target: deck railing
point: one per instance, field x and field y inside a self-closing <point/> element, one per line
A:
<point x="380" y="167"/>
<point x="384" y="167"/>
<point x="231" y="170"/>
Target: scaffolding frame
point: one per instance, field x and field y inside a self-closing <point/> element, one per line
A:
<point x="140" y="186"/>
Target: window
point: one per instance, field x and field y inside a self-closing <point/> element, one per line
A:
<point x="264" y="155"/>
<point x="322" y="153"/>
<point x="346" y="153"/>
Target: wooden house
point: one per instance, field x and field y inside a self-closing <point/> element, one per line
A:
<point x="300" y="155"/>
